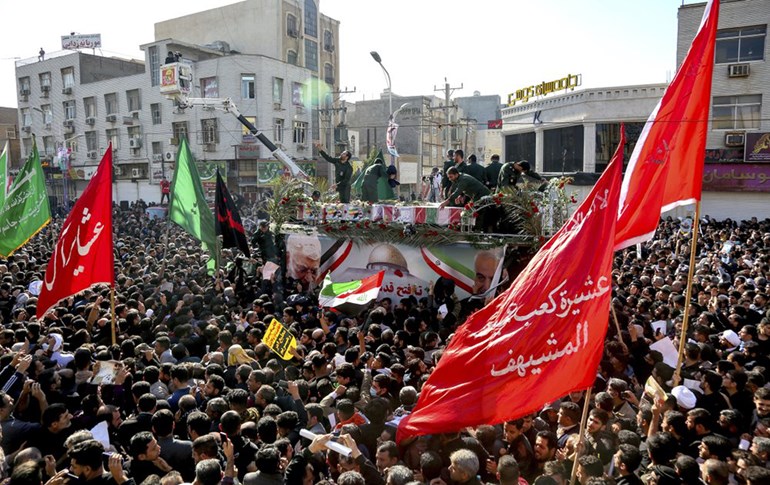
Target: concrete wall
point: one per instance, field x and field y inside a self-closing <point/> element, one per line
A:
<point x="251" y="26"/>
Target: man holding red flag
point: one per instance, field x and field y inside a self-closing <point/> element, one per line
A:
<point x="83" y="254"/>
<point x="539" y="340"/>
<point x="666" y="167"/>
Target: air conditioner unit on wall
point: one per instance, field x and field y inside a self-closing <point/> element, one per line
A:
<point x="738" y="70"/>
<point x="92" y="154"/>
<point x="91" y="120"/>
<point x="136" y="173"/>
<point x="135" y="143"/>
<point x="118" y="170"/>
<point x="66" y="91"/>
<point x="168" y="156"/>
<point x="26" y="129"/>
<point x="735" y="139"/>
<point x="69" y="123"/>
<point x="157" y="157"/>
<point x="112" y="118"/>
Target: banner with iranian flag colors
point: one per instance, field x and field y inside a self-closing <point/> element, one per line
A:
<point x="408" y="270"/>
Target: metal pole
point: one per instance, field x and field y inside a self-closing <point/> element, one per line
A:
<point x="688" y="294"/>
<point x="579" y="446"/>
<point x="112" y="313"/>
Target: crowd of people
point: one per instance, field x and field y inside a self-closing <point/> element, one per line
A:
<point x="189" y="393"/>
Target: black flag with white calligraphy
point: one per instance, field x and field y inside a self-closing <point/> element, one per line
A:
<point x="228" y="221"/>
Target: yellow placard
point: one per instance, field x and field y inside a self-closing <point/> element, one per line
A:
<point x="280" y="340"/>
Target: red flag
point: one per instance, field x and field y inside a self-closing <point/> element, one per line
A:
<point x="666" y="168"/>
<point x="539" y="340"/>
<point x="83" y="254"/>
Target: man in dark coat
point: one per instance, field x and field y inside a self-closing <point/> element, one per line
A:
<point x="343" y="172"/>
<point x="372" y="174"/>
<point x="493" y="172"/>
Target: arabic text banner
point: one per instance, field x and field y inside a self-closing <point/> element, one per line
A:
<point x="734" y="177"/>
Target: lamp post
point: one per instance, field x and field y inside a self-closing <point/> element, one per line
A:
<point x="378" y="60"/>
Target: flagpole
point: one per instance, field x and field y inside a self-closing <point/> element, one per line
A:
<point x="112" y="315"/>
<point x="688" y="294"/>
<point x="615" y="319"/>
<point x="579" y="445"/>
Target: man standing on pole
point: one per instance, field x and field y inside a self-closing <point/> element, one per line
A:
<point x="343" y="172"/>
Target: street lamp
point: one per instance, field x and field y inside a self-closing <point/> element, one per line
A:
<point x="378" y="60"/>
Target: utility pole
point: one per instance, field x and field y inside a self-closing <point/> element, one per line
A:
<point x="447" y="100"/>
<point x="328" y="140"/>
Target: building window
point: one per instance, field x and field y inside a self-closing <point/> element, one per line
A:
<point x="291" y="57"/>
<point x="49" y="149"/>
<point x="298" y="94"/>
<point x="180" y="130"/>
<point x="300" y="132"/>
<point x="134" y="132"/>
<point x="246" y="134"/>
<point x="47" y="113"/>
<point x="328" y="41"/>
<point x="277" y="91"/>
<point x="278" y="130"/>
<point x="736" y="112"/>
<point x="563" y="150"/>
<point x="10" y="132"/>
<point x="607" y="139"/>
<point x="45" y="81"/>
<point x="68" y="77"/>
<point x="328" y="73"/>
<point x="111" y="103"/>
<point x="311" y="18"/>
<point x="154" y="65"/>
<point x="113" y="137"/>
<point x="157" y="150"/>
<point x="134" y="100"/>
<point x="26" y="117"/>
<point x="155" y="110"/>
<point x="311" y="55"/>
<point x="209" y="87"/>
<point x="291" y="26"/>
<point x="89" y="107"/>
<point x="740" y="45"/>
<point x="92" y="142"/>
<point x="69" y="110"/>
<point x="210" y="131"/>
<point x="24" y="86"/>
<point x="247" y="86"/>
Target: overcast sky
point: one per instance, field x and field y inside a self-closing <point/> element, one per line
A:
<point x="491" y="46"/>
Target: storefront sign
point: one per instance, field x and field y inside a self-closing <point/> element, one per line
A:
<point x="81" y="41"/>
<point x="569" y="82"/>
<point x="737" y="177"/>
<point x="724" y="155"/>
<point x="757" y="147"/>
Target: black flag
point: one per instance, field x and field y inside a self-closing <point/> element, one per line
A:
<point x="228" y="221"/>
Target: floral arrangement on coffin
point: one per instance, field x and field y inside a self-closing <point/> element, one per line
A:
<point x="367" y="231"/>
<point x="290" y="198"/>
<point x="529" y="210"/>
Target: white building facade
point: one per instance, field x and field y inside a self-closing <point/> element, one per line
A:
<point x="76" y="104"/>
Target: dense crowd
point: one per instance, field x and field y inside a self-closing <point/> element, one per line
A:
<point x="190" y="394"/>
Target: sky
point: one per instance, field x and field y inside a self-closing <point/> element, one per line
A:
<point x="490" y="46"/>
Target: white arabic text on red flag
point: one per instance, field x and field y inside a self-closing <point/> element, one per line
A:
<point x="539" y="340"/>
<point x="83" y="253"/>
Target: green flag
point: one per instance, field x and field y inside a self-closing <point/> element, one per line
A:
<point x="25" y="210"/>
<point x="188" y="206"/>
<point x="4" y="174"/>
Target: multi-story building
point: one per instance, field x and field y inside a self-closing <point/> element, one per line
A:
<point x="78" y="103"/>
<point x="9" y="133"/>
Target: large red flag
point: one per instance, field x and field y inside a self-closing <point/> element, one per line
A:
<point x="83" y="254"/>
<point x="539" y="340"/>
<point x="666" y="167"/>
